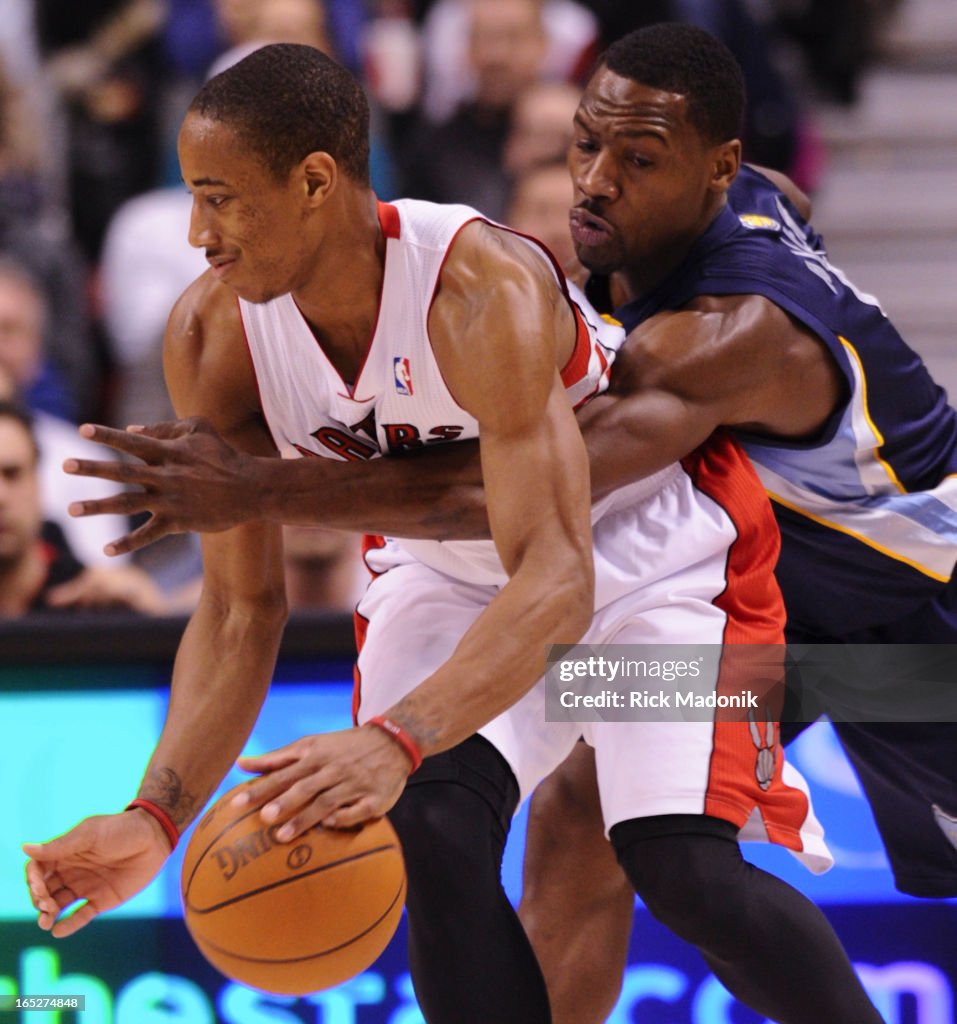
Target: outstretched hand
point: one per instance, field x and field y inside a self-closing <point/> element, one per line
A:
<point x="99" y="864"/>
<point x="191" y="480"/>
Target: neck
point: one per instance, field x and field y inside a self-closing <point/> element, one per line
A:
<point x="340" y="301"/>
<point x="21" y="581"/>
<point x="642" y="279"/>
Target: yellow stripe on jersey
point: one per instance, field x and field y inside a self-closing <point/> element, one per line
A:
<point x="867" y="415"/>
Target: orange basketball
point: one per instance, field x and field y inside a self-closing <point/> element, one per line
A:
<point x="295" y="917"/>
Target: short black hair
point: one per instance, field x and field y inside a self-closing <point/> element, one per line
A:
<point x="684" y="59"/>
<point x="287" y="101"/>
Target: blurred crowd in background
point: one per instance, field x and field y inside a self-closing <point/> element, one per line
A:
<point x="472" y="102"/>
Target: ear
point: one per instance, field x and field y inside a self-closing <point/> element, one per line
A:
<point x="725" y="164"/>
<point x="319" y="175"/>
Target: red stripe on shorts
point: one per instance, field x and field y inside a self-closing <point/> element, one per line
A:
<point x="739" y="777"/>
<point x="360" y="624"/>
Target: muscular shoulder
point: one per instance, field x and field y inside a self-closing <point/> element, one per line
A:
<point x="205" y="312"/>
<point x="741" y="353"/>
<point x="500" y="326"/>
<point x="493" y="275"/>
<point x="486" y="258"/>
<point x="207" y="363"/>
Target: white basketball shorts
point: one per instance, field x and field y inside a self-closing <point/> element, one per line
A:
<point x="673" y="566"/>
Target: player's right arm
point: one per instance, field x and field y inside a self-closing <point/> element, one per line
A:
<point x="192" y="480"/>
<point x="225" y="659"/>
<point x="732" y="361"/>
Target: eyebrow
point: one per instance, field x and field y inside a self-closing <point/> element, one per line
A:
<point x="579" y="119"/>
<point x="201" y="182"/>
<point x="646" y="133"/>
<point x="628" y="133"/>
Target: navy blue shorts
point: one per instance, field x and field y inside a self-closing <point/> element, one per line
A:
<point x="908" y="770"/>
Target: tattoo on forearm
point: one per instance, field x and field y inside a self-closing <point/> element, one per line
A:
<point x="424" y="733"/>
<point x="164" y="787"/>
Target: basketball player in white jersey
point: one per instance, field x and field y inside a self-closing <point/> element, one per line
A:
<point x="362" y="330"/>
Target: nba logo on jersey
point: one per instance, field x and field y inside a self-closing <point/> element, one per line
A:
<point x="403" y="375"/>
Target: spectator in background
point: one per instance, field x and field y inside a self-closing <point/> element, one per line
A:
<point x="104" y="59"/>
<point x="23" y="312"/>
<point x="147" y="264"/>
<point x="8" y="391"/>
<point x="539" y="202"/>
<point x="540" y="191"/>
<point x="248" y="24"/>
<point x="838" y="39"/>
<point x="461" y="160"/>
<point x="34" y="235"/>
<point x="38" y="569"/>
<point x="324" y="569"/>
<point x="541" y="125"/>
<point x="196" y="32"/>
<point x="571" y="35"/>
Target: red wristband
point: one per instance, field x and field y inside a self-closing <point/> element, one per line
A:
<point x="401" y="737"/>
<point x="172" y="832"/>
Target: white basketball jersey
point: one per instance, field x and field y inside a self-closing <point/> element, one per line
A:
<point x="399" y="400"/>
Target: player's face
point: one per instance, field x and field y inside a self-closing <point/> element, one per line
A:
<point x="641" y="174"/>
<point x="251" y="225"/>
<point x="19" y="491"/>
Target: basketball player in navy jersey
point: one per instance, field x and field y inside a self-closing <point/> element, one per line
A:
<point x="653" y="144"/>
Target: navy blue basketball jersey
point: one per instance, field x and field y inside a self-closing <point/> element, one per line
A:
<point x="868" y="510"/>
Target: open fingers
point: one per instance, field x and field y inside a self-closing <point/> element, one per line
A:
<point x="271" y="761"/>
<point x="118" y="471"/>
<point x="155" y="528"/>
<point x="127" y="503"/>
<point x="137" y="443"/>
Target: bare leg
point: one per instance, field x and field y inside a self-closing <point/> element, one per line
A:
<point x="577" y="904"/>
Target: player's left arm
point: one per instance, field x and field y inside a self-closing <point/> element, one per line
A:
<point x="500" y="327"/>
